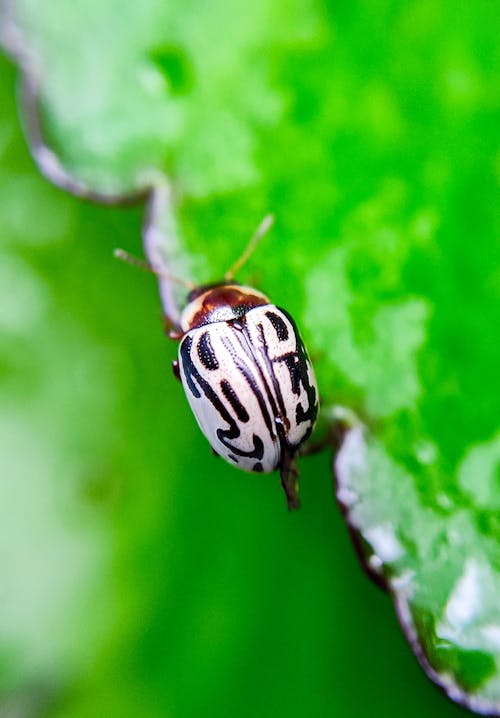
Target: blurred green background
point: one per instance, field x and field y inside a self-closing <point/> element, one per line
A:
<point x="139" y="575"/>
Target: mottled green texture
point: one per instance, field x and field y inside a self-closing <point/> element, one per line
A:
<point x="141" y="576"/>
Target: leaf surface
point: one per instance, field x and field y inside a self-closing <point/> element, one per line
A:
<point x="370" y="131"/>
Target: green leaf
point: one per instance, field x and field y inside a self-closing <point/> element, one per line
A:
<point x="438" y="560"/>
<point x="370" y="130"/>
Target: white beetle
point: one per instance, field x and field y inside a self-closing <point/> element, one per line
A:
<point x="248" y="379"/>
<point x="246" y="375"/>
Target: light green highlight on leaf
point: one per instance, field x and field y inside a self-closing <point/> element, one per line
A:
<point x="385" y="368"/>
<point x="479" y="474"/>
<point x="125" y="114"/>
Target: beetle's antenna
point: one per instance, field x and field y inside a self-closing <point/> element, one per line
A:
<point x="144" y="264"/>
<point x="261" y="230"/>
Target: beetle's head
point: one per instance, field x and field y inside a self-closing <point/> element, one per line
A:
<point x="221" y="302"/>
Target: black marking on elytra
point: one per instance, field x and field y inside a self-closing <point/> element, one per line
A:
<point x="279" y="408"/>
<point x="259" y="356"/>
<point x="258" y="467"/>
<point x="291" y="361"/>
<point x="232" y="398"/>
<point x="258" y="445"/>
<point x="279" y="325"/>
<point x="175" y="369"/>
<point x="283" y="423"/>
<point x="254" y="354"/>
<point x="206" y="352"/>
<point x="197" y="385"/>
<point x="298" y="365"/>
<point x="238" y="323"/>
<point x="246" y="371"/>
<point x="233" y="458"/>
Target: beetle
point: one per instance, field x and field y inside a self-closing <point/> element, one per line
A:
<point x="247" y="375"/>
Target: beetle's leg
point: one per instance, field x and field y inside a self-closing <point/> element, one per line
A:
<point x="175" y="369"/>
<point x="333" y="439"/>
<point x="289" y="472"/>
<point x="336" y="422"/>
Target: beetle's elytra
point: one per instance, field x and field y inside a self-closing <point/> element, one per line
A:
<point x="248" y="379"/>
